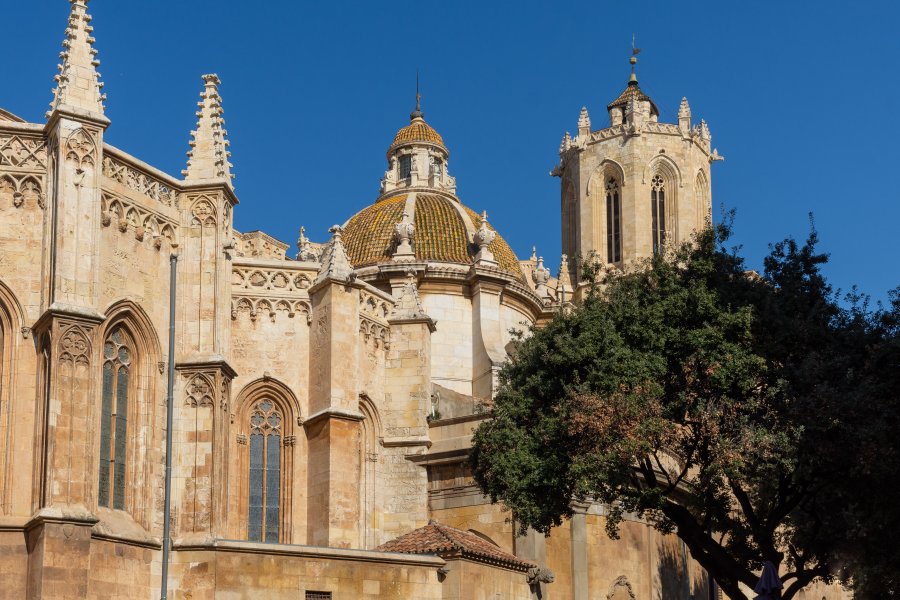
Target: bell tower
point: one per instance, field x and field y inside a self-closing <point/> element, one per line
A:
<point x="629" y="189"/>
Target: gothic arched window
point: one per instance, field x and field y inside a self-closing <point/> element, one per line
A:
<point x="266" y="426"/>
<point x="117" y="364"/>
<point x="613" y="221"/>
<point x="658" y="212"/>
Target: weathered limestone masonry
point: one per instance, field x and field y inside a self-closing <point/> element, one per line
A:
<point x="633" y="187"/>
<point x="325" y="399"/>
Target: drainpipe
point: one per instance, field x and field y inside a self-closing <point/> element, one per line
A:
<point x="166" y="542"/>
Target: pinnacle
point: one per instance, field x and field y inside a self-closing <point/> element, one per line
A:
<point x="208" y="156"/>
<point x="584" y="121"/>
<point x="78" y="83"/>
<point x="335" y="262"/>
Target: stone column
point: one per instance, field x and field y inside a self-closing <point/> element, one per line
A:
<point x="578" y="527"/>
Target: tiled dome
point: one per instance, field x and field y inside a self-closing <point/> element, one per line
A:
<point x="443" y="233"/>
<point x="418" y="131"/>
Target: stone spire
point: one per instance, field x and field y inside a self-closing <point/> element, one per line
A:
<point x="584" y="122"/>
<point x="335" y="262"/>
<point x="564" y="282"/>
<point x="208" y="156"/>
<point x="305" y="250"/>
<point x="409" y="305"/>
<point x="566" y="143"/>
<point x="684" y="116"/>
<point x="78" y="84"/>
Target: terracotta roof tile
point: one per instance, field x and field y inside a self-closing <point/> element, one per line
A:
<point x="440" y="233"/>
<point x="629" y="91"/>
<point x="418" y="131"/>
<point x="442" y="540"/>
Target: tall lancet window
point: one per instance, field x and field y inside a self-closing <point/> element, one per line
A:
<point x="117" y="363"/>
<point x="266" y="426"/>
<point x="658" y="211"/>
<point x="613" y="221"/>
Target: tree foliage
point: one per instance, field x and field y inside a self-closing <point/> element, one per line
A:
<point x="731" y="408"/>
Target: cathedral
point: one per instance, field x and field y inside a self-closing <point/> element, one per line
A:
<point x="324" y="396"/>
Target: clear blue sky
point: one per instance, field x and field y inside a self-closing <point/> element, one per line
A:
<point x="800" y="97"/>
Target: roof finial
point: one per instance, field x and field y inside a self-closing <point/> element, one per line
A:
<point x="633" y="60"/>
<point x="417" y="114"/>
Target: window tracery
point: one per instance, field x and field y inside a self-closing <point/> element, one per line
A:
<point x="658" y="212"/>
<point x="613" y="221"/>
<point x="117" y="364"/>
<point x="265" y="441"/>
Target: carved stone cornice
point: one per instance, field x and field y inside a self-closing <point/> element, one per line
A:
<point x="212" y="362"/>
<point x="59" y="310"/>
<point x="333" y="413"/>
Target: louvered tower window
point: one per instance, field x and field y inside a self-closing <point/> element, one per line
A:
<point x="114" y="419"/>
<point x="613" y="221"/>
<point x="266" y="426"/>
<point x="658" y="211"/>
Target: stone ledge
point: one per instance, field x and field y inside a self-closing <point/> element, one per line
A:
<point x="322" y="552"/>
<point x="392" y="442"/>
<point x="333" y="413"/>
<point x="461" y="419"/>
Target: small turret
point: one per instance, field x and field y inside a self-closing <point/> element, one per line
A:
<point x="78" y="85"/>
<point x="208" y="156"/>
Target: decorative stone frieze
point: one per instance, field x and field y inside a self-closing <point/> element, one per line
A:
<point x="142" y="183"/>
<point x="22" y="152"/>
<point x="146" y="224"/>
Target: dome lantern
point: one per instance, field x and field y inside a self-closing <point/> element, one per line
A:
<point x="417" y="158"/>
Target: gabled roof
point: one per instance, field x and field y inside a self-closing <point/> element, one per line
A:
<point x="443" y="541"/>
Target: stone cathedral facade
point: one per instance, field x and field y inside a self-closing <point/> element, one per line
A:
<point x="324" y="398"/>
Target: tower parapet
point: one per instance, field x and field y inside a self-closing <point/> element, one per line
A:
<point x="631" y="188"/>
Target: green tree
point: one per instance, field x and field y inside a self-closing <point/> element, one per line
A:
<point x="710" y="401"/>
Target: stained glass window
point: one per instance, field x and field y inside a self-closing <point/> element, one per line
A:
<point x="266" y="425"/>
<point x="658" y="210"/>
<point x="613" y="222"/>
<point x="114" y="420"/>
